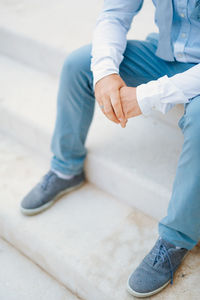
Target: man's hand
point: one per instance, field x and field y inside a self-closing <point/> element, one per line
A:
<point x="129" y="102"/>
<point x="107" y="93"/>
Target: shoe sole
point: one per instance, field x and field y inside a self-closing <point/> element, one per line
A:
<point x="144" y="295"/>
<point x="35" y="211"/>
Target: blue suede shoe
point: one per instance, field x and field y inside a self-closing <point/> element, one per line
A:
<point x="47" y="191"/>
<point x="156" y="270"/>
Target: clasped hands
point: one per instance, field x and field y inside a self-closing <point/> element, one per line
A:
<point x="118" y="102"/>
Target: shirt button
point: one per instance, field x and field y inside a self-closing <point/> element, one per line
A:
<point x="182" y="15"/>
<point x="183" y="35"/>
<point x="180" y="55"/>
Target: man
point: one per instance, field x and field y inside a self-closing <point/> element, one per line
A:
<point x="129" y="78"/>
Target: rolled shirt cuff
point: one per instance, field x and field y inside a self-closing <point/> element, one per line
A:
<point x="103" y="66"/>
<point x="160" y="94"/>
<point x="100" y="74"/>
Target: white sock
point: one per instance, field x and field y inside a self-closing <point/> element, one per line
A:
<point x="61" y="175"/>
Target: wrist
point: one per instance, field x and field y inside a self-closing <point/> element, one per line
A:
<point x="147" y="95"/>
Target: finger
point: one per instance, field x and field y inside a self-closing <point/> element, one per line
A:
<point x="108" y="110"/>
<point x="100" y="103"/>
<point x="117" y="106"/>
<point x="123" y="124"/>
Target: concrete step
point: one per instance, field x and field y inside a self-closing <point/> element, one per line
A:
<point x="142" y="157"/>
<point x="88" y="241"/>
<point x="21" y="279"/>
<point x="42" y="33"/>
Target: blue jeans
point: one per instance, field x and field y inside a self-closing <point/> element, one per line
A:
<point x="75" y="109"/>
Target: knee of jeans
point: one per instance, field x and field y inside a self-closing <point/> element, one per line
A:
<point x="77" y="61"/>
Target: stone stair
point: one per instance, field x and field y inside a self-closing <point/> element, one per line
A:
<point x="21" y="279"/>
<point x="88" y="241"/>
<point x="91" y="239"/>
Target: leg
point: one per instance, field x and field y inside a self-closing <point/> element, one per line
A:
<point x="74" y="115"/>
<point x="181" y="226"/>
<point x="75" y="108"/>
<point x="76" y="98"/>
<point x="157" y="268"/>
<point x="180" y="230"/>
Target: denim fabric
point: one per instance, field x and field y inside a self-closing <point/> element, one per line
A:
<point x="185" y="30"/>
<point x="179" y="24"/>
<point x="75" y="108"/>
<point x="181" y="226"/>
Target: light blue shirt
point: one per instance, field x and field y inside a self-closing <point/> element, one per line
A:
<point x="185" y="33"/>
<point x="179" y="39"/>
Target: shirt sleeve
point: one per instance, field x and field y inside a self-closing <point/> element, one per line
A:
<point x="162" y="94"/>
<point x="109" y="36"/>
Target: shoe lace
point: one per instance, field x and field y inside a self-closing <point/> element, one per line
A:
<point x="162" y="254"/>
<point x="46" y="180"/>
